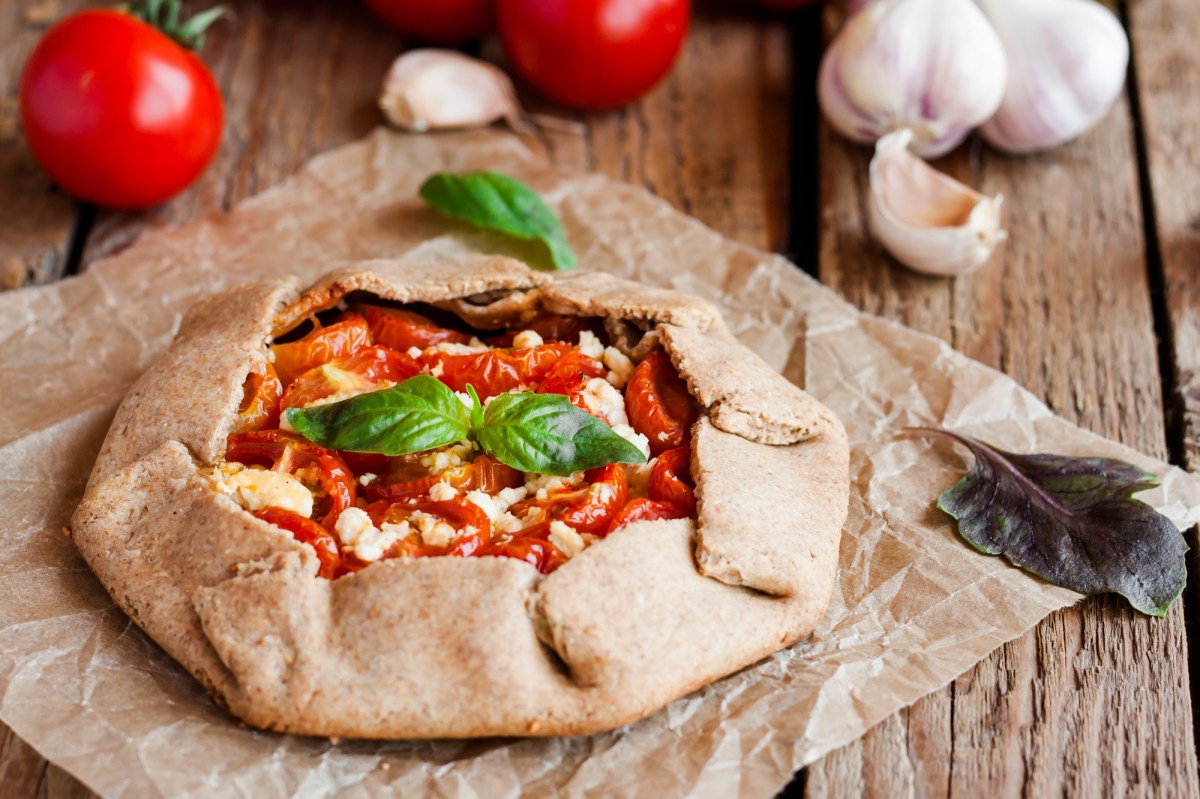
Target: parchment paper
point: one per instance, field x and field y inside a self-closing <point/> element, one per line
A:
<point x="913" y="608"/>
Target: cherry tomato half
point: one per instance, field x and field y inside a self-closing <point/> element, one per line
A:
<point x="541" y="554"/>
<point x="671" y="480"/>
<point x="496" y="371"/>
<point x="306" y="531"/>
<point x="439" y="21"/>
<point x="276" y="449"/>
<point x="552" y="327"/>
<point x="475" y="529"/>
<point x="589" y="509"/>
<point x="592" y="54"/>
<point x="658" y="402"/>
<point x="366" y="370"/>
<point x="569" y="377"/>
<point x="400" y="329"/>
<point x="260" y="401"/>
<point x="321" y="345"/>
<point x="645" y="510"/>
<point x="412" y="480"/>
<point x="116" y="112"/>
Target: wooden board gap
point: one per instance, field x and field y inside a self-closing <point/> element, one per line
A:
<point x="804" y="179"/>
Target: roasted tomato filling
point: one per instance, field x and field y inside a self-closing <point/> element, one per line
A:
<point x="355" y="508"/>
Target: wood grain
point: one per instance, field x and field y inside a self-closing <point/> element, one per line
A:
<point x="1095" y="700"/>
<point x="38" y="219"/>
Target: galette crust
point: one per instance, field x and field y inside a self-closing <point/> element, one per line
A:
<point x="454" y="647"/>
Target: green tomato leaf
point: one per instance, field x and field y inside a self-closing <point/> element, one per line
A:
<point x="419" y="414"/>
<point x="545" y="433"/>
<point x="497" y="202"/>
<point x="1071" y="521"/>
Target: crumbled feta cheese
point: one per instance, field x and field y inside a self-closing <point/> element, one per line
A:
<point x="256" y="488"/>
<point x="603" y="400"/>
<point x="442" y="460"/>
<point x="507" y="523"/>
<point x="633" y="437"/>
<point x="527" y="339"/>
<point x="437" y="369"/>
<point x="565" y="538"/>
<point x="621" y="368"/>
<point x="434" y="532"/>
<point x="497" y="505"/>
<point x="442" y="491"/>
<point x="367" y="479"/>
<point x="454" y="348"/>
<point x="359" y="535"/>
<point x="465" y="399"/>
<point x="415" y="352"/>
<point x="540" y="485"/>
<point x="638" y="477"/>
<point x="590" y="345"/>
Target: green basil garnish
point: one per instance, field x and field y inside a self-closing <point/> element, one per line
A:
<point x="542" y="433"/>
<point x="419" y="414"/>
<point x="497" y="202"/>
<point x="545" y="433"/>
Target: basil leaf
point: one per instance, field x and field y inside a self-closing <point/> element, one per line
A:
<point x="1071" y="521"/>
<point x="497" y="202"/>
<point x="419" y="414"/>
<point x="545" y="433"/>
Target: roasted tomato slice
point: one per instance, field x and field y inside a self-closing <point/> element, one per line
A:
<point x="473" y="526"/>
<point x="644" y="510"/>
<point x="671" y="480"/>
<point x="589" y="509"/>
<point x="658" y="403"/>
<point x="367" y="369"/>
<point x="570" y="375"/>
<point x="543" y="555"/>
<point x="401" y="330"/>
<point x="552" y="328"/>
<point x="323" y="344"/>
<point x="260" y="401"/>
<point x="306" y="531"/>
<point x="407" y="479"/>
<point x="496" y="371"/>
<point x="318" y="468"/>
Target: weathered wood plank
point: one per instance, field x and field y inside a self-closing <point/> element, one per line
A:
<point x="38" y="218"/>
<point x="1095" y="700"/>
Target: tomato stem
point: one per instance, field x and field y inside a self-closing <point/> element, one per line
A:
<point x="167" y="16"/>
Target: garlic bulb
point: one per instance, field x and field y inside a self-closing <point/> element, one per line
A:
<point x="1066" y="68"/>
<point x="926" y="219"/>
<point x="935" y="67"/>
<point x="428" y="89"/>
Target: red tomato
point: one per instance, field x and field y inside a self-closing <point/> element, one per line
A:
<point x="365" y="370"/>
<point x="411" y="480"/>
<point x="570" y="375"/>
<point x="321" y="345"/>
<point x="645" y="510"/>
<point x="260" y="401"/>
<point x="116" y="112"/>
<point x="440" y="21"/>
<point x="276" y="449"/>
<point x="670" y="480"/>
<point x="400" y="329"/>
<point x="658" y="402"/>
<point x="496" y="371"/>
<point x="542" y="555"/>
<point x="589" y="509"/>
<point x="460" y="513"/>
<point x="592" y="54"/>
<point x="306" y="531"/>
<point x="552" y="328"/>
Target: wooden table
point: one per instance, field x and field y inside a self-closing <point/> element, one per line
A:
<point x="1093" y="308"/>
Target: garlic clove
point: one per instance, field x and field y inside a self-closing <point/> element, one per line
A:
<point x="935" y="67"/>
<point x="1067" y="61"/>
<point x="430" y="88"/>
<point x="926" y="219"/>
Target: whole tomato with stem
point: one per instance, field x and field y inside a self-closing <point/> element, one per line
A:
<point x="117" y="108"/>
<point x="593" y="54"/>
<point x="436" y="21"/>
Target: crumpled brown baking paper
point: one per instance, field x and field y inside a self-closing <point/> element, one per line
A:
<point x="913" y="608"/>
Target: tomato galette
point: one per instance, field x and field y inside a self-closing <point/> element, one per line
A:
<point x="463" y="499"/>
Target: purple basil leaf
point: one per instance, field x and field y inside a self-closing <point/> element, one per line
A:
<point x="1071" y="521"/>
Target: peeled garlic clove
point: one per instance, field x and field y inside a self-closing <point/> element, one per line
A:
<point x="430" y="88"/>
<point x="935" y="67"/>
<point x="1066" y="67"/>
<point x="928" y="220"/>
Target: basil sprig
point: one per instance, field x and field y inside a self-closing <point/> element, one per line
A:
<point x="542" y="433"/>
<point x="497" y="202"/>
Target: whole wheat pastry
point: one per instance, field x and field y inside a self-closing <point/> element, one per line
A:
<point x="358" y="605"/>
